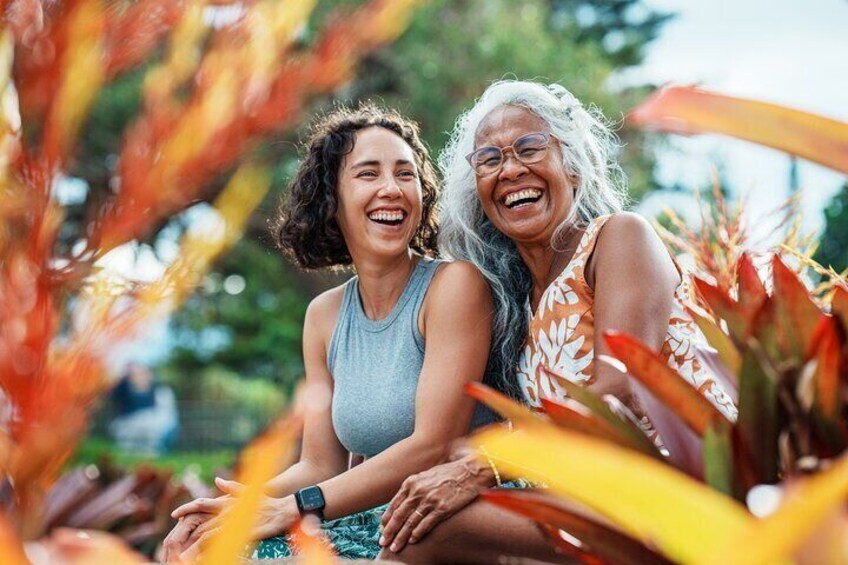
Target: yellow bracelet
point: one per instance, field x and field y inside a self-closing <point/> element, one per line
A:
<point x="491" y="464"/>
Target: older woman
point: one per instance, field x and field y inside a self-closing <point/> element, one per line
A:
<point x="533" y="199"/>
<point x="394" y="346"/>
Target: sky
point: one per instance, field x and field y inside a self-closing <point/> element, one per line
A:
<point x="788" y="52"/>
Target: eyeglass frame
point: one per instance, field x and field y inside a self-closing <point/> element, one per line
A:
<point x="547" y="135"/>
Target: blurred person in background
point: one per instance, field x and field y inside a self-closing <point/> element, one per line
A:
<point x="146" y="417"/>
<point x="392" y="349"/>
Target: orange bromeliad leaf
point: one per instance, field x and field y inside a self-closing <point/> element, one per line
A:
<point x="312" y="548"/>
<point x="82" y="76"/>
<point x="10" y="545"/>
<point x="597" y="535"/>
<point x="751" y="291"/>
<point x="797" y="315"/>
<point x="830" y="359"/>
<point x="689" y="110"/>
<point x="261" y="460"/>
<point x="665" y="383"/>
<point x="502" y="404"/>
<point x="724" y="307"/>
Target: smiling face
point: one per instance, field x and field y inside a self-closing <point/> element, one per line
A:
<point x="379" y="194"/>
<point x="525" y="202"/>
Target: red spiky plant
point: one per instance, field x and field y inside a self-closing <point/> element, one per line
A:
<point x="213" y="96"/>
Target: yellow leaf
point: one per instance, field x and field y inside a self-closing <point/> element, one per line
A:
<point x="260" y="462"/>
<point x="82" y="76"/>
<point x="650" y="500"/>
<point x="779" y="535"/>
<point x="689" y="110"/>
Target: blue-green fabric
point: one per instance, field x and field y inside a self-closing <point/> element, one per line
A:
<point x="353" y="537"/>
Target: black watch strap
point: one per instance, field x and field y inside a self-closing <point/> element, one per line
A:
<point x="310" y="501"/>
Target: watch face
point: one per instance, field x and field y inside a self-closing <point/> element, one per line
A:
<point x="311" y="499"/>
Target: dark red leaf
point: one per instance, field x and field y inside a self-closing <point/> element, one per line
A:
<point x="601" y="537"/>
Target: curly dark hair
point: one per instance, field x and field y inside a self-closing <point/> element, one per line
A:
<point x="306" y="229"/>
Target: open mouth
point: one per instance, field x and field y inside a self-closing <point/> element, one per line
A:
<point x="522" y="198"/>
<point x="387" y="217"/>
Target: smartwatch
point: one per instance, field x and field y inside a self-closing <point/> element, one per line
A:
<point x="310" y="500"/>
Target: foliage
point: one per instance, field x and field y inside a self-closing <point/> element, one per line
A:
<point x="260" y="326"/>
<point x="413" y="76"/>
<point x="782" y="352"/>
<point x="204" y="464"/>
<point x="206" y="103"/>
<point x="833" y="251"/>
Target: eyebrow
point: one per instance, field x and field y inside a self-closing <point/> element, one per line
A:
<point x="375" y="163"/>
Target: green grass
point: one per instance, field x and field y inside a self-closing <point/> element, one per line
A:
<point x="205" y="464"/>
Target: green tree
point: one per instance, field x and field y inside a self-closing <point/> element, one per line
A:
<point x="833" y="248"/>
<point x="450" y="53"/>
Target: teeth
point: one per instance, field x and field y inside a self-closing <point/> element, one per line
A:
<point x="386" y="216"/>
<point x="521" y="195"/>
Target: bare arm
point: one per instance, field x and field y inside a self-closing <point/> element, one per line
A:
<point x="634" y="280"/>
<point x="322" y="455"/>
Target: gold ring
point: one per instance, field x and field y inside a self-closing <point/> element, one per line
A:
<point x="417" y="511"/>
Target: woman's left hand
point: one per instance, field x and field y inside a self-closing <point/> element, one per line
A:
<point x="430" y="497"/>
<point x="275" y="516"/>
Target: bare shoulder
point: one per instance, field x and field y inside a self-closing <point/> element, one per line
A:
<point x="322" y="312"/>
<point x="628" y="244"/>
<point x="627" y="233"/>
<point x="458" y="278"/>
<point x="628" y="228"/>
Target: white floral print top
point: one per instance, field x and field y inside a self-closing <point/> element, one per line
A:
<point x="560" y="343"/>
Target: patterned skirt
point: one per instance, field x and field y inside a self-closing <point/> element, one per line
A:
<point x="353" y="537"/>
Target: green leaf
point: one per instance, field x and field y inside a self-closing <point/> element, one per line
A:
<point x="719" y="340"/>
<point x="571" y="415"/>
<point x="718" y="458"/>
<point x="757" y="423"/>
<point x="600" y="408"/>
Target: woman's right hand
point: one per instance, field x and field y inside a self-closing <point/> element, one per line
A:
<point x="430" y="497"/>
<point x="180" y="538"/>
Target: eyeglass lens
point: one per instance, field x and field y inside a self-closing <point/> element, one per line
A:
<point x="528" y="149"/>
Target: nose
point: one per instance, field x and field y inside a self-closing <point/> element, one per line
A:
<point x="391" y="189"/>
<point x="512" y="168"/>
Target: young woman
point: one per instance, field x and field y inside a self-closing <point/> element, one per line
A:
<point x="533" y="198"/>
<point x="394" y="346"/>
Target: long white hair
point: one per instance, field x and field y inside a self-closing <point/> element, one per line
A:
<point x="588" y="145"/>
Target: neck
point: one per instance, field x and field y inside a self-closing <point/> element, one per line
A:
<point x="545" y="263"/>
<point x="381" y="282"/>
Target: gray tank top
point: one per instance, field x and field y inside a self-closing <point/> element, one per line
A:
<point x="375" y="366"/>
